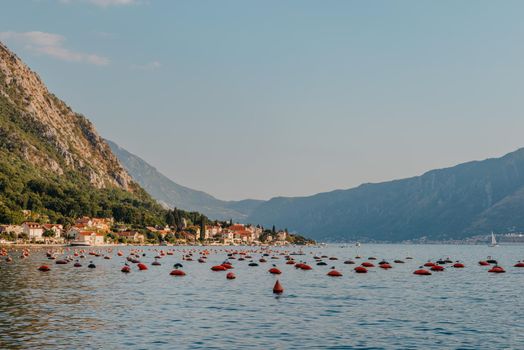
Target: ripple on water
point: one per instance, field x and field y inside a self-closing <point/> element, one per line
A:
<point x="71" y="307"/>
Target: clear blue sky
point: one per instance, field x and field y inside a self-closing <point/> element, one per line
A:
<point x="254" y="99"/>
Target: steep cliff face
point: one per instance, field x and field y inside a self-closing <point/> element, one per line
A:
<point x="53" y="163"/>
<point x="47" y="133"/>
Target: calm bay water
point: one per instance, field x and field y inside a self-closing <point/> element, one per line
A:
<point x="102" y="308"/>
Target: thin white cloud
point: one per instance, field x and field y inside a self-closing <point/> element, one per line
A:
<point x="153" y="65"/>
<point x="103" y="3"/>
<point x="52" y="45"/>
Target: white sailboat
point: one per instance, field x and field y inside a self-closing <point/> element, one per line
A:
<point x="493" y="240"/>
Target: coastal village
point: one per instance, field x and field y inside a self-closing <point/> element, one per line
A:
<point x="102" y="231"/>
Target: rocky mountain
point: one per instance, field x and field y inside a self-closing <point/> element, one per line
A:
<point x="172" y="194"/>
<point x="72" y="136"/>
<point x="52" y="160"/>
<point x="468" y="199"/>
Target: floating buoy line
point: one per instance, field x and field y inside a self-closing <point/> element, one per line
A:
<point x="136" y="260"/>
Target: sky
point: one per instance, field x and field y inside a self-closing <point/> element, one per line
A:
<point x="256" y="99"/>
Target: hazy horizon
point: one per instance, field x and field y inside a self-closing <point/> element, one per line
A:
<point x="263" y="99"/>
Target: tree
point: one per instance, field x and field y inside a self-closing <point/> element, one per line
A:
<point x="202" y="228"/>
<point x="170" y="218"/>
<point x="273" y="230"/>
<point x="49" y="233"/>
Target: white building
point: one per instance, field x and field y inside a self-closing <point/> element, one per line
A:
<point x="33" y="230"/>
<point x="57" y="229"/>
<point x="90" y="237"/>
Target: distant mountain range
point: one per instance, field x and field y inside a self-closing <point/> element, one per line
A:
<point x="171" y="194"/>
<point x="452" y="203"/>
<point x="468" y="199"/>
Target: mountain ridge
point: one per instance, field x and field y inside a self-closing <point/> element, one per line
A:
<point x="172" y="194"/>
<point x="435" y="191"/>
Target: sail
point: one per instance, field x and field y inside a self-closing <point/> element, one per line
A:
<point x="493" y="240"/>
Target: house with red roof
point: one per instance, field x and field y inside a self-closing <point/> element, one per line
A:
<point x="131" y="236"/>
<point x="33" y="230"/>
<point x="56" y="228"/>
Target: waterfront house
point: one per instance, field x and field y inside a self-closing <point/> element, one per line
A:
<point x="102" y="225"/>
<point x="90" y="237"/>
<point x="33" y="230"/>
<point x="227" y="236"/>
<point x="131" y="236"/>
<point x="213" y="230"/>
<point x="56" y="228"/>
<point x="75" y="230"/>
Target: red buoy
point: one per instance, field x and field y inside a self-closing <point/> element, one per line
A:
<point x="177" y="273"/>
<point x="483" y="263"/>
<point x="497" y="269"/>
<point x="126" y="269"/>
<point x="218" y="268"/>
<point x="367" y="264"/>
<point x="305" y="267"/>
<point x="519" y="264"/>
<point x="385" y="266"/>
<point x="274" y="271"/>
<point x="458" y="265"/>
<point x="142" y="267"/>
<point x="231" y="276"/>
<point x="334" y="273"/>
<point x="361" y="269"/>
<point x="278" y="289"/>
<point x="437" y="268"/>
<point x="422" y="272"/>
<point x="429" y="264"/>
<point x="44" y="268"/>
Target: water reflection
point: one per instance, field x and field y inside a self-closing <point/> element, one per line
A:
<point x="72" y="307"/>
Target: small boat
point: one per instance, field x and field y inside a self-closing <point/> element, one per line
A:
<point x="493" y="241"/>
